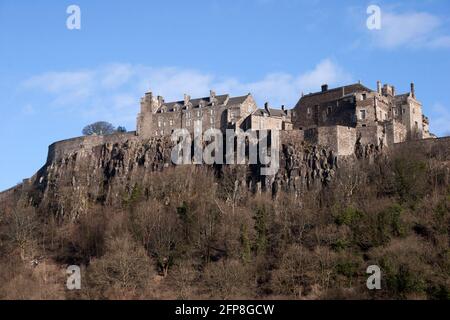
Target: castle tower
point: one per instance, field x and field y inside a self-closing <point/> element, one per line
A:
<point x="149" y="106"/>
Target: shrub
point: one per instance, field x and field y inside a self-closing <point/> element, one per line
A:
<point x="125" y="266"/>
<point x="348" y="216"/>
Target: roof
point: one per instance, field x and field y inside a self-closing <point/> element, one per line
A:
<point x="351" y="88"/>
<point x="273" y="112"/>
<point x="221" y="100"/>
<point x="320" y="97"/>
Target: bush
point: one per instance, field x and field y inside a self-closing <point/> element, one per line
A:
<point x="125" y="267"/>
<point x="348" y="216"/>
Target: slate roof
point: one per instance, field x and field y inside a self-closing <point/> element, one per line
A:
<point x="221" y="100"/>
<point x="273" y="112"/>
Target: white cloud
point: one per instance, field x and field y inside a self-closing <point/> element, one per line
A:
<point x="413" y="29"/>
<point x="112" y="92"/>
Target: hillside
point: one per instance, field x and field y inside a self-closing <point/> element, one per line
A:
<point x="140" y="227"/>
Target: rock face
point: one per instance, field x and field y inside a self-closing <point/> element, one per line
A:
<point x="85" y="171"/>
<point x="105" y="170"/>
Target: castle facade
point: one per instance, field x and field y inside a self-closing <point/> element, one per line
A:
<point x="339" y="118"/>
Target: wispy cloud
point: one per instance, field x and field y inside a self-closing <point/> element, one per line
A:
<point x="410" y="29"/>
<point x="112" y="92"/>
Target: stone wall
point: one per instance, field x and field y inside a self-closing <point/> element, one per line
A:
<point x="370" y="135"/>
<point x="292" y="137"/>
<point x="431" y="147"/>
<point x="395" y="132"/>
<point x="341" y="140"/>
<point x="265" y="123"/>
<point x="346" y="139"/>
<point x="59" y="149"/>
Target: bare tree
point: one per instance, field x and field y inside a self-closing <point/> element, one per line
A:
<point x="98" y="128"/>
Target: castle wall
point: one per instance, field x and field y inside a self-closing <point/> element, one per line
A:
<point x="292" y="137"/>
<point x="371" y="135"/>
<point x="439" y="147"/>
<point x="339" y="112"/>
<point x="346" y="138"/>
<point x="340" y="139"/>
<point x="395" y="132"/>
<point x="265" y="123"/>
<point x="58" y="150"/>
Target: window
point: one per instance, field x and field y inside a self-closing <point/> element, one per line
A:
<point x="364" y="96"/>
<point x="211" y="120"/>
<point x="159" y="123"/>
<point x="362" y="114"/>
<point x="329" y="110"/>
<point x="308" y="111"/>
<point x="198" y="113"/>
<point x="171" y="122"/>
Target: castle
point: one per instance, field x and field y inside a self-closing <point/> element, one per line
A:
<point x="338" y="118"/>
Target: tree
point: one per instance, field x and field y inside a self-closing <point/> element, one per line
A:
<point x="98" y="128"/>
<point x="121" y="129"/>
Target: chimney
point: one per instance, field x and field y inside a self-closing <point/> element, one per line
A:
<point x="393" y="91"/>
<point x="212" y="95"/>
<point x="187" y="98"/>
<point x="148" y="98"/>
<point x="160" y="101"/>
<point x="413" y="90"/>
<point x="324" y="87"/>
<point x="266" y="107"/>
<point x="379" y="87"/>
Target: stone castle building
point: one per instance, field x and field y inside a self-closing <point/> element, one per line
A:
<point x="339" y="118"/>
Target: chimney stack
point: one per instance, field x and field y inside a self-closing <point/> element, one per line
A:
<point x="413" y="90"/>
<point x="324" y="87"/>
<point x="379" y="87"/>
<point x="212" y="95"/>
<point x="160" y="101"/>
<point x="187" y="98"/>
<point x="266" y="107"/>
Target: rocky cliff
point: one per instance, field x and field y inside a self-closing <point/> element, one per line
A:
<point x="105" y="170"/>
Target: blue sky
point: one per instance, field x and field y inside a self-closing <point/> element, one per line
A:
<point x="53" y="80"/>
